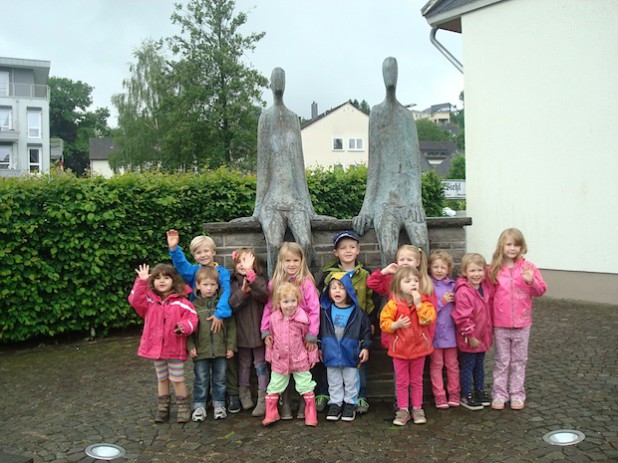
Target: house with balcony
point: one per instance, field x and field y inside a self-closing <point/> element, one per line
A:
<point x="24" y="116"/>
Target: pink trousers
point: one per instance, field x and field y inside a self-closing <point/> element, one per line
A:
<point x="440" y="359"/>
<point x="409" y="374"/>
<point x="510" y="357"/>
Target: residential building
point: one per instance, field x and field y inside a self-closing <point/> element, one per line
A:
<point x="24" y="116"/>
<point x="100" y="149"/>
<point x="525" y="59"/>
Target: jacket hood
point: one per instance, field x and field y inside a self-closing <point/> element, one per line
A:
<point x="344" y="278"/>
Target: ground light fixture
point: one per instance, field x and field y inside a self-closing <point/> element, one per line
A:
<point x="564" y="437"/>
<point x="105" y="451"/>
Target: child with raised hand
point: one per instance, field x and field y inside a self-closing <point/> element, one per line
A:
<point x="444" y="354"/>
<point x="346" y="251"/>
<point x="292" y="268"/>
<point x="516" y="281"/>
<point x="407" y="316"/>
<point x="472" y="317"/>
<point x="210" y="350"/>
<point x="345" y="340"/>
<point x="249" y="294"/>
<point x="203" y="249"/>
<point x="288" y="353"/>
<point x="159" y="298"/>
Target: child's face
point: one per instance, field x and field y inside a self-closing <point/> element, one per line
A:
<point x="409" y="285"/>
<point x="163" y="283"/>
<point x="475" y="274"/>
<point x="338" y="294"/>
<point x="347" y="251"/>
<point x="207" y="287"/>
<point x="407" y="259"/>
<point x="204" y="255"/>
<point x="511" y="250"/>
<point x="289" y="304"/>
<point x="239" y="267"/>
<point x="439" y="269"/>
<point x="291" y="264"/>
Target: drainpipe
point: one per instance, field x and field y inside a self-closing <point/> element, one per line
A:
<point x="454" y="61"/>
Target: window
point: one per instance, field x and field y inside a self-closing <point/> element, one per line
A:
<point x="355" y="144"/>
<point x="4" y="84"/>
<point x="34" y="123"/>
<point x="6" y="119"/>
<point x="34" y="159"/>
<point x="5" y="156"/>
<point x="337" y="144"/>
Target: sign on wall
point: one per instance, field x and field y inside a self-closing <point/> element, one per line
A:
<point x="454" y="189"/>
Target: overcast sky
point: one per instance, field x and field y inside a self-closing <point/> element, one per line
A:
<point x="331" y="50"/>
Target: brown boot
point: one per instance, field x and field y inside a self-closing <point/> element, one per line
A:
<point x="244" y="393"/>
<point x="163" y="409"/>
<point x="260" y="407"/>
<point x="184" y="410"/>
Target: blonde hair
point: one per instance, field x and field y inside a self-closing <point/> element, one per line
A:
<point x="497" y="261"/>
<point x="283" y="290"/>
<point x="258" y="268"/>
<point x="280" y="276"/>
<point x="423" y="267"/>
<point x="207" y="273"/>
<point x="178" y="284"/>
<point x="444" y="257"/>
<point x="472" y="258"/>
<point x="400" y="275"/>
<point x="202" y="240"/>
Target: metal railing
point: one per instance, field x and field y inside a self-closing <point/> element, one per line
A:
<point x="25" y="91"/>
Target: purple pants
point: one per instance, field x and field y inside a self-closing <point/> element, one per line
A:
<point x="511" y="354"/>
<point x="439" y="359"/>
<point x="409" y="375"/>
<point x="245" y="355"/>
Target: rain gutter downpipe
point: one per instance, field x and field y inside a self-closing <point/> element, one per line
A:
<point x="454" y="61"/>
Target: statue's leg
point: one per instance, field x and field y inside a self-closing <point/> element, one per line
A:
<point x="387" y="226"/>
<point x="300" y="226"/>
<point x="273" y="227"/>
<point x="417" y="231"/>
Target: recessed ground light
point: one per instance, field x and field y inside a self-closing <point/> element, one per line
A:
<point x="105" y="451"/>
<point x="564" y="437"/>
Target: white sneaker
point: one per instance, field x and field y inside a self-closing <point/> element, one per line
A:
<point x="220" y="413"/>
<point x="199" y="414"/>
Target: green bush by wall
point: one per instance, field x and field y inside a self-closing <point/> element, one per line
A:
<point x="70" y="245"/>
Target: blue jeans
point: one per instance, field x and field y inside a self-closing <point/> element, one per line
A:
<point x="471" y="368"/>
<point x="202" y="369"/>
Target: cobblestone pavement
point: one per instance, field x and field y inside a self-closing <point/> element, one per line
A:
<point x="58" y="399"/>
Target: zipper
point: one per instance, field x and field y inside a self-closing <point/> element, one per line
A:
<point x="426" y="340"/>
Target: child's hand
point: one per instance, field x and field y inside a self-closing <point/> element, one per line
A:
<point x="473" y="342"/>
<point x="216" y="325"/>
<point x="268" y="340"/>
<point x="417" y="298"/>
<point x="179" y="329"/>
<point x="229" y="354"/>
<point x="245" y="286"/>
<point x="402" y="322"/>
<point x="528" y="274"/>
<point x="143" y="272"/>
<point x="173" y="238"/>
<point x="390" y="269"/>
<point x="193" y="353"/>
<point x="311" y="345"/>
<point x="247" y="261"/>
<point x="448" y="297"/>
<point x="320" y="355"/>
<point x="363" y="356"/>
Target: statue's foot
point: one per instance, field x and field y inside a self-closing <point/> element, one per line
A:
<point x="244" y="220"/>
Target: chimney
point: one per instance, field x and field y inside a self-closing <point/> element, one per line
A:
<point x="314" y="110"/>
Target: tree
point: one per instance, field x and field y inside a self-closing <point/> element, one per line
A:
<point x="429" y="131"/>
<point x="363" y="105"/>
<point x="70" y="120"/>
<point x="458" y="118"/>
<point x="458" y="167"/>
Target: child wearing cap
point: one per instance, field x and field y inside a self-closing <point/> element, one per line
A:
<point x="346" y="248"/>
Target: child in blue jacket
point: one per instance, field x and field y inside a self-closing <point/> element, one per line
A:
<point x="345" y="340"/>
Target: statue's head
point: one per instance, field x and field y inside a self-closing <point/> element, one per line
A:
<point x="389" y="71"/>
<point x="277" y="81"/>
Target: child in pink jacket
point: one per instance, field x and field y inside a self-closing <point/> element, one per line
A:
<point x="288" y="354"/>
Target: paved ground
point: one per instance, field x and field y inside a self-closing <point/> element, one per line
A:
<point x="58" y="399"/>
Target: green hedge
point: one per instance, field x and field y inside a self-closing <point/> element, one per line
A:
<point x="70" y="245"/>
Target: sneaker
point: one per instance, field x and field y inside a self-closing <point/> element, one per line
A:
<point x="483" y="398"/>
<point x="470" y="402"/>
<point x="199" y="414"/>
<point x="320" y="402"/>
<point x="441" y="403"/>
<point x="418" y="416"/>
<point x="362" y="406"/>
<point x="401" y="417"/>
<point x="233" y="404"/>
<point x="517" y="404"/>
<point x="334" y="412"/>
<point x="453" y="403"/>
<point x="220" y="413"/>
<point x="497" y="403"/>
<point x="349" y="412"/>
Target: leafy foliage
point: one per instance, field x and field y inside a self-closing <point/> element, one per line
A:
<point x="433" y="194"/>
<point x="458" y="167"/>
<point x="363" y="105"/>
<point x="430" y="131"/>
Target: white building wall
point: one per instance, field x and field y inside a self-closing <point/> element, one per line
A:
<point x="541" y="130"/>
<point x="101" y="167"/>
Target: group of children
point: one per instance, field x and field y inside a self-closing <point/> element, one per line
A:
<point x="321" y="335"/>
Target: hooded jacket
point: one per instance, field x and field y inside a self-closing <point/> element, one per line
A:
<point x="364" y="294"/>
<point x="444" y="337"/>
<point x="357" y="334"/>
<point x="211" y="345"/>
<point x="159" y="341"/>
<point x="472" y="315"/>
<point x="512" y="303"/>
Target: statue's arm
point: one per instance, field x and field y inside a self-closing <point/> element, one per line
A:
<point x="364" y="219"/>
<point x="263" y="162"/>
